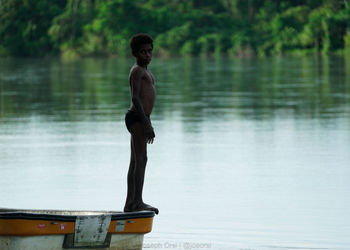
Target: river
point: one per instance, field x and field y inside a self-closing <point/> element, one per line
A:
<point x="249" y="153"/>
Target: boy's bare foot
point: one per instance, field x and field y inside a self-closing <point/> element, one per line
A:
<point x="144" y="206"/>
<point x="140" y="207"/>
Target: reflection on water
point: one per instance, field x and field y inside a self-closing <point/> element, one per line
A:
<point x="197" y="88"/>
<point x="249" y="153"/>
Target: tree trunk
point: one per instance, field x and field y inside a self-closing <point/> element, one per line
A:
<point x="75" y="6"/>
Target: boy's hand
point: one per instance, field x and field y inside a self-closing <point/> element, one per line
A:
<point x="149" y="133"/>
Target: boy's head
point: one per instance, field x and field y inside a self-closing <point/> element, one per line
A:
<point x="142" y="47"/>
<point x="138" y="40"/>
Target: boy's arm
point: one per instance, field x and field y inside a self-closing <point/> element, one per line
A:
<point x="136" y="81"/>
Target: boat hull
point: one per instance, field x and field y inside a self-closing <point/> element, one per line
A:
<point x="55" y="229"/>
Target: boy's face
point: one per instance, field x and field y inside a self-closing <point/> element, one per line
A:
<point x="144" y="55"/>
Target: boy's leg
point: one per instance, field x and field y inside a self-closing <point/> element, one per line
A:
<point x="140" y="150"/>
<point x="140" y="153"/>
<point x="131" y="185"/>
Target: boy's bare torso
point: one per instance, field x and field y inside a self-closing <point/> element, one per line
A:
<point x="147" y="91"/>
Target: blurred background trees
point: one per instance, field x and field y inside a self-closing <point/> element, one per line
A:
<point x="188" y="27"/>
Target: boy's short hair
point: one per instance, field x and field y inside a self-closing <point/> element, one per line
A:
<point x="138" y="40"/>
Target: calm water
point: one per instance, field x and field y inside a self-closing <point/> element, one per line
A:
<point x="249" y="154"/>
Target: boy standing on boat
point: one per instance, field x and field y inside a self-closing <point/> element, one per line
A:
<point x="138" y="122"/>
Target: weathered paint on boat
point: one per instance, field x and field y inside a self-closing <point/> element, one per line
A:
<point x="55" y="229"/>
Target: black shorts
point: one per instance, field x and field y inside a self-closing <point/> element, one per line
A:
<point x="131" y="117"/>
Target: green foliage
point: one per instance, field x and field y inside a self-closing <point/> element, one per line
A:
<point x="24" y="25"/>
<point x="190" y="48"/>
<point x="189" y="27"/>
<point x="67" y="29"/>
<point x="175" y="37"/>
<point x="213" y="43"/>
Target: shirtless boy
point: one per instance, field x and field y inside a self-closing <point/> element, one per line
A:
<point x="138" y="122"/>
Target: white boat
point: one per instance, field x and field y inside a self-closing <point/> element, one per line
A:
<point x="59" y="229"/>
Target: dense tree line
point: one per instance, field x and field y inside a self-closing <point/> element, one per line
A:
<point x="237" y="27"/>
